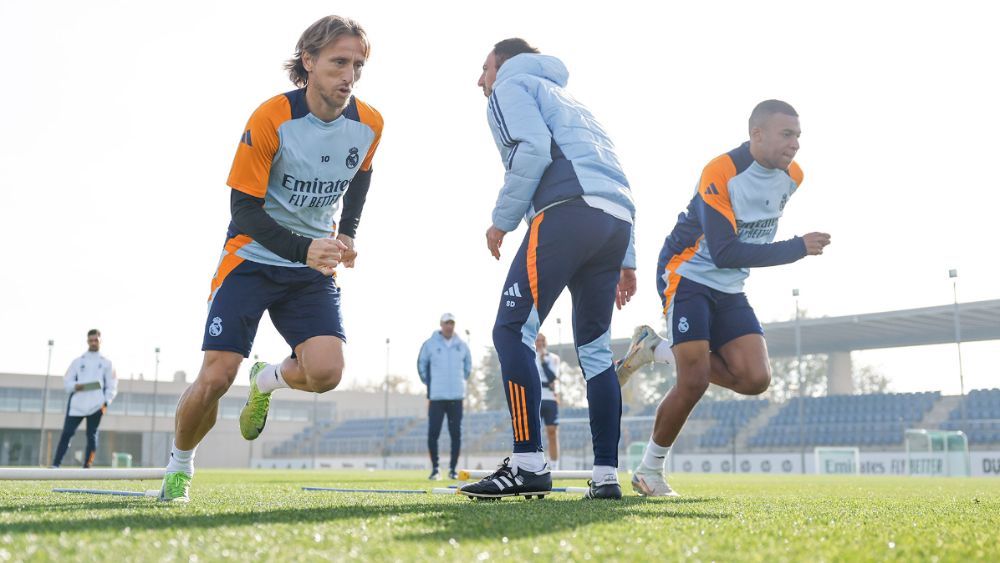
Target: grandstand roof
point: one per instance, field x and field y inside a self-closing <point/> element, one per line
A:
<point x="980" y="320"/>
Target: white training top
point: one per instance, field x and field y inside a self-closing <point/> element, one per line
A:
<point x="88" y="368"/>
<point x="552" y="361"/>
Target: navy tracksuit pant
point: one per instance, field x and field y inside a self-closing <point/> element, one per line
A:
<point x="436" y="412"/>
<point x="575" y="246"/>
<point x="69" y="428"/>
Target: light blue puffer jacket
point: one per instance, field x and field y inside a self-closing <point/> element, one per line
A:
<point x="552" y="148"/>
<point x="443" y="368"/>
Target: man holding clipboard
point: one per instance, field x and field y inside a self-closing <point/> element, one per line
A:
<point x="92" y="385"/>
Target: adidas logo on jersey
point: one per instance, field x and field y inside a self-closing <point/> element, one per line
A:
<point x="245" y="138"/>
<point x="513" y="291"/>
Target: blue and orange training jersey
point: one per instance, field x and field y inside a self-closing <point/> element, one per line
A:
<point x="301" y="166"/>
<point x="730" y="224"/>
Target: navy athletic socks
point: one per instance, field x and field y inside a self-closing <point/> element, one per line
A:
<point x="605" y="398"/>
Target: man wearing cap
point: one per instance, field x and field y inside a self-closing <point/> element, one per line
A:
<point x="444" y="364"/>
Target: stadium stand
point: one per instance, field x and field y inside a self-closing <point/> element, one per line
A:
<point x="730" y="417"/>
<point x="845" y="420"/>
<point x="982" y="417"/>
<point x="872" y="421"/>
<point x="489" y="431"/>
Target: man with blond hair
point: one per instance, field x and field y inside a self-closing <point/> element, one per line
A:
<point x="297" y="156"/>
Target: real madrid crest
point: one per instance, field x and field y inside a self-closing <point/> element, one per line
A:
<point x="215" y="329"/>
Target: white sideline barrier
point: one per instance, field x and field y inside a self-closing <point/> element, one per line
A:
<point x="466" y="474"/>
<point x="985" y="463"/>
<point x="93" y="474"/>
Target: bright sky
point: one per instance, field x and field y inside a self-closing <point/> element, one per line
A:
<point x="123" y="118"/>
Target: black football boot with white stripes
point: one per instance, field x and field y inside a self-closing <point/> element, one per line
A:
<point x="510" y="481"/>
<point x="607" y="488"/>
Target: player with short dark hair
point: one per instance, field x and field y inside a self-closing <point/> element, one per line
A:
<point x="563" y="177"/>
<point x="92" y="385"/>
<point x="713" y="335"/>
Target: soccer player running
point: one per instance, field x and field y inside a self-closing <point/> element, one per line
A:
<point x="563" y="177"/>
<point x="296" y="158"/>
<point x="713" y="335"/>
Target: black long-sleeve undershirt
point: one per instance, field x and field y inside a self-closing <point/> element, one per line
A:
<point x="251" y="219"/>
<point x="354" y="202"/>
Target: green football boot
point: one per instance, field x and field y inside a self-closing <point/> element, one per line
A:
<point x="254" y="413"/>
<point x="175" y="487"/>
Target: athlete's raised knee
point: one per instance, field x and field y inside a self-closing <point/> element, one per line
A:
<point x="325" y="378"/>
<point x="757" y="382"/>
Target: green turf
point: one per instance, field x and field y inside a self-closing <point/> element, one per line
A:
<point x="263" y="515"/>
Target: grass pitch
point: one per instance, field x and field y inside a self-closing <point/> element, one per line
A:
<point x="263" y="515"/>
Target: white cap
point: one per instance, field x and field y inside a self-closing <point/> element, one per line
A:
<point x="447" y="317"/>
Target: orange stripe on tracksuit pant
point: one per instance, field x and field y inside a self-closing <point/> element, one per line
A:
<point x="569" y="246"/>
<point x="518" y="412"/>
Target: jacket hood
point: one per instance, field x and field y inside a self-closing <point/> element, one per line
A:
<point x="543" y="66"/>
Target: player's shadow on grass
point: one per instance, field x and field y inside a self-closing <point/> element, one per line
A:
<point x="69" y="507"/>
<point x="496" y="519"/>
<point x="451" y="518"/>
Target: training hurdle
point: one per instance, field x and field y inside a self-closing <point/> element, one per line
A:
<point x="466" y="474"/>
<point x="93" y="474"/>
<point x="148" y="493"/>
<point x="452" y="490"/>
<point x="386" y="491"/>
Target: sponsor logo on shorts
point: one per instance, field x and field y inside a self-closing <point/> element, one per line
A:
<point x="682" y="324"/>
<point x="215" y="329"/>
<point x="352" y="157"/>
